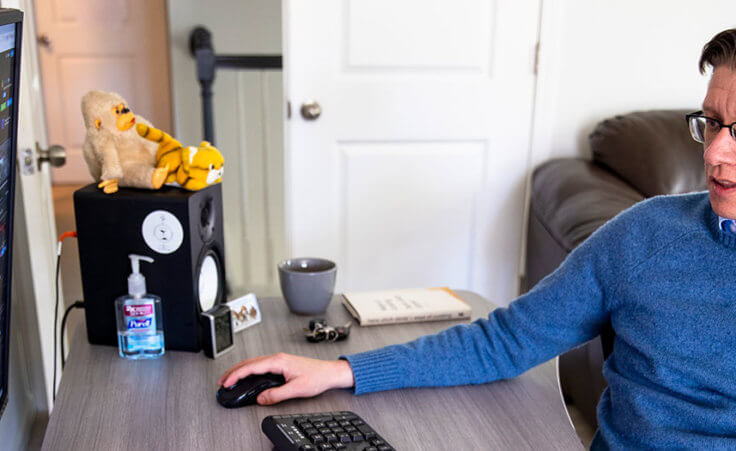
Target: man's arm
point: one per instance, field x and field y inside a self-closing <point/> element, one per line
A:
<point x="565" y="309"/>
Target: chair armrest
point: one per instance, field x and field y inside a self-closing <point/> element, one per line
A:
<point x="571" y="198"/>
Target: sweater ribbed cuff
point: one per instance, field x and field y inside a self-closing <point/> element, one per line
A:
<point x="374" y="370"/>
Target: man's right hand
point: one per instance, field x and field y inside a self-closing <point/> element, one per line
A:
<point x="305" y="377"/>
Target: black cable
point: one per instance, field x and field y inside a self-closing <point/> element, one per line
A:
<point x="56" y="320"/>
<point x="77" y="304"/>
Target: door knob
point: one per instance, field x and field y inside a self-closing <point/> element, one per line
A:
<point x="44" y="40"/>
<point x="55" y="155"/>
<point x="311" y="110"/>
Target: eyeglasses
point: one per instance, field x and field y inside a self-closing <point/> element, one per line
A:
<point x="704" y="129"/>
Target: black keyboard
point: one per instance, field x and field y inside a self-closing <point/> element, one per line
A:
<point x="318" y="431"/>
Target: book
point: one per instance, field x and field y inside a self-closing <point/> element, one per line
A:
<point x="405" y="306"/>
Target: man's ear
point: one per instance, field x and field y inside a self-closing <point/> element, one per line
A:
<point x="98" y="123"/>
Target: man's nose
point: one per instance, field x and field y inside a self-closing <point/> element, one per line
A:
<point x="721" y="150"/>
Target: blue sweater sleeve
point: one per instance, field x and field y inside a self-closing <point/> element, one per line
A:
<point x="565" y="309"/>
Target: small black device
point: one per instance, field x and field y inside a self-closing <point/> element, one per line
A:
<point x="181" y="230"/>
<point x="217" y="331"/>
<point x="11" y="30"/>
<point x="319" y="330"/>
<point x="327" y="430"/>
<point x="245" y="391"/>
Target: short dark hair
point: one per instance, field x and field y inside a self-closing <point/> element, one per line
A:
<point x="719" y="51"/>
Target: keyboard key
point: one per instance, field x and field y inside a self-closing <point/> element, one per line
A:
<point x="338" y="430"/>
<point x="325" y="431"/>
<point x="331" y="424"/>
<point x="377" y="442"/>
<point x="344" y="423"/>
<point x="357" y="422"/>
<point x="385" y="448"/>
<point x="317" y="438"/>
<point x="350" y="429"/>
<point x="339" y="445"/>
<point x="318" y="424"/>
<point x="307" y="447"/>
<point x="343" y="437"/>
<point x="325" y="446"/>
<point x="331" y="437"/>
<point x="311" y="431"/>
<point x="369" y="434"/>
<point x="356" y="436"/>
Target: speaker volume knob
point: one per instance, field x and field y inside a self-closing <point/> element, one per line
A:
<point x="162" y="232"/>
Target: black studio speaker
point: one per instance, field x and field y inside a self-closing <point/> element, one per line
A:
<point x="181" y="230"/>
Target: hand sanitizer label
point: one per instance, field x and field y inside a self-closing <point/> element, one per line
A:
<point x="139" y="318"/>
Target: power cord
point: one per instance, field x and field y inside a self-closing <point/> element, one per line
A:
<point x="77" y="304"/>
<point x="65" y="235"/>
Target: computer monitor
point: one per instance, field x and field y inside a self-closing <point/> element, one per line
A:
<point x="11" y="23"/>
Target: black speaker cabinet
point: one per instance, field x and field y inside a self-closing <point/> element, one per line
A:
<point x="181" y="230"/>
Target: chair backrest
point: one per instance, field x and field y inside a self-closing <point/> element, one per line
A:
<point x="651" y="150"/>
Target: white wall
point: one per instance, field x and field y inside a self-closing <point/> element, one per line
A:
<point x="249" y="115"/>
<point x="606" y="57"/>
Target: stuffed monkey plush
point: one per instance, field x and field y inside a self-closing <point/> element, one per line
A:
<point x="115" y="154"/>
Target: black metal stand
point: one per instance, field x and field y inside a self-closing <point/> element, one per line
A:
<point x="200" y="45"/>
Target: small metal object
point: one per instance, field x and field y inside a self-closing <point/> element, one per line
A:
<point x="44" y="40"/>
<point x="319" y="330"/>
<point x="55" y="155"/>
<point x="311" y="110"/>
<point x="26" y="162"/>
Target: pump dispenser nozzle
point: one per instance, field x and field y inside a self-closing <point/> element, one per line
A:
<point x="136" y="281"/>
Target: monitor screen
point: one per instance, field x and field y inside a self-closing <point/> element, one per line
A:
<point x="10" y="30"/>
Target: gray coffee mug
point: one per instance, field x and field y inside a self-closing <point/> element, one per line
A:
<point x="307" y="284"/>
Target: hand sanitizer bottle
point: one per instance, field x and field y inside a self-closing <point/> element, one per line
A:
<point x="140" y="327"/>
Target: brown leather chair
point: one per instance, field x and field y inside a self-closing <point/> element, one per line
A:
<point x="635" y="156"/>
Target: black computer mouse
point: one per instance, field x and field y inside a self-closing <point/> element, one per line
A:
<point x="245" y="391"/>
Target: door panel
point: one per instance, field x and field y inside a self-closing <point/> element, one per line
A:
<point x="418" y="34"/>
<point x="414" y="173"/>
<point x="384" y="189"/>
<point x="76" y="75"/>
<point x="119" y="46"/>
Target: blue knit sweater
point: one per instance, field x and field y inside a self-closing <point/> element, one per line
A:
<point x="665" y="276"/>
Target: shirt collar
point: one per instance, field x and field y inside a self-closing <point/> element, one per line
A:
<point x="721" y="221"/>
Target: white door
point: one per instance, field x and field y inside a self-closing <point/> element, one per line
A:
<point x="113" y="45"/>
<point x="414" y="173"/>
<point x="34" y="251"/>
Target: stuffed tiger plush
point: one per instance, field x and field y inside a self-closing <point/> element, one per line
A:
<point x="169" y="149"/>
<point x="200" y="166"/>
<point x="192" y="168"/>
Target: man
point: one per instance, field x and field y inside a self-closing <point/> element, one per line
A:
<point x="663" y="273"/>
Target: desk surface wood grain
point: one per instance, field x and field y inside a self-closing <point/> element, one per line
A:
<point x="105" y="402"/>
